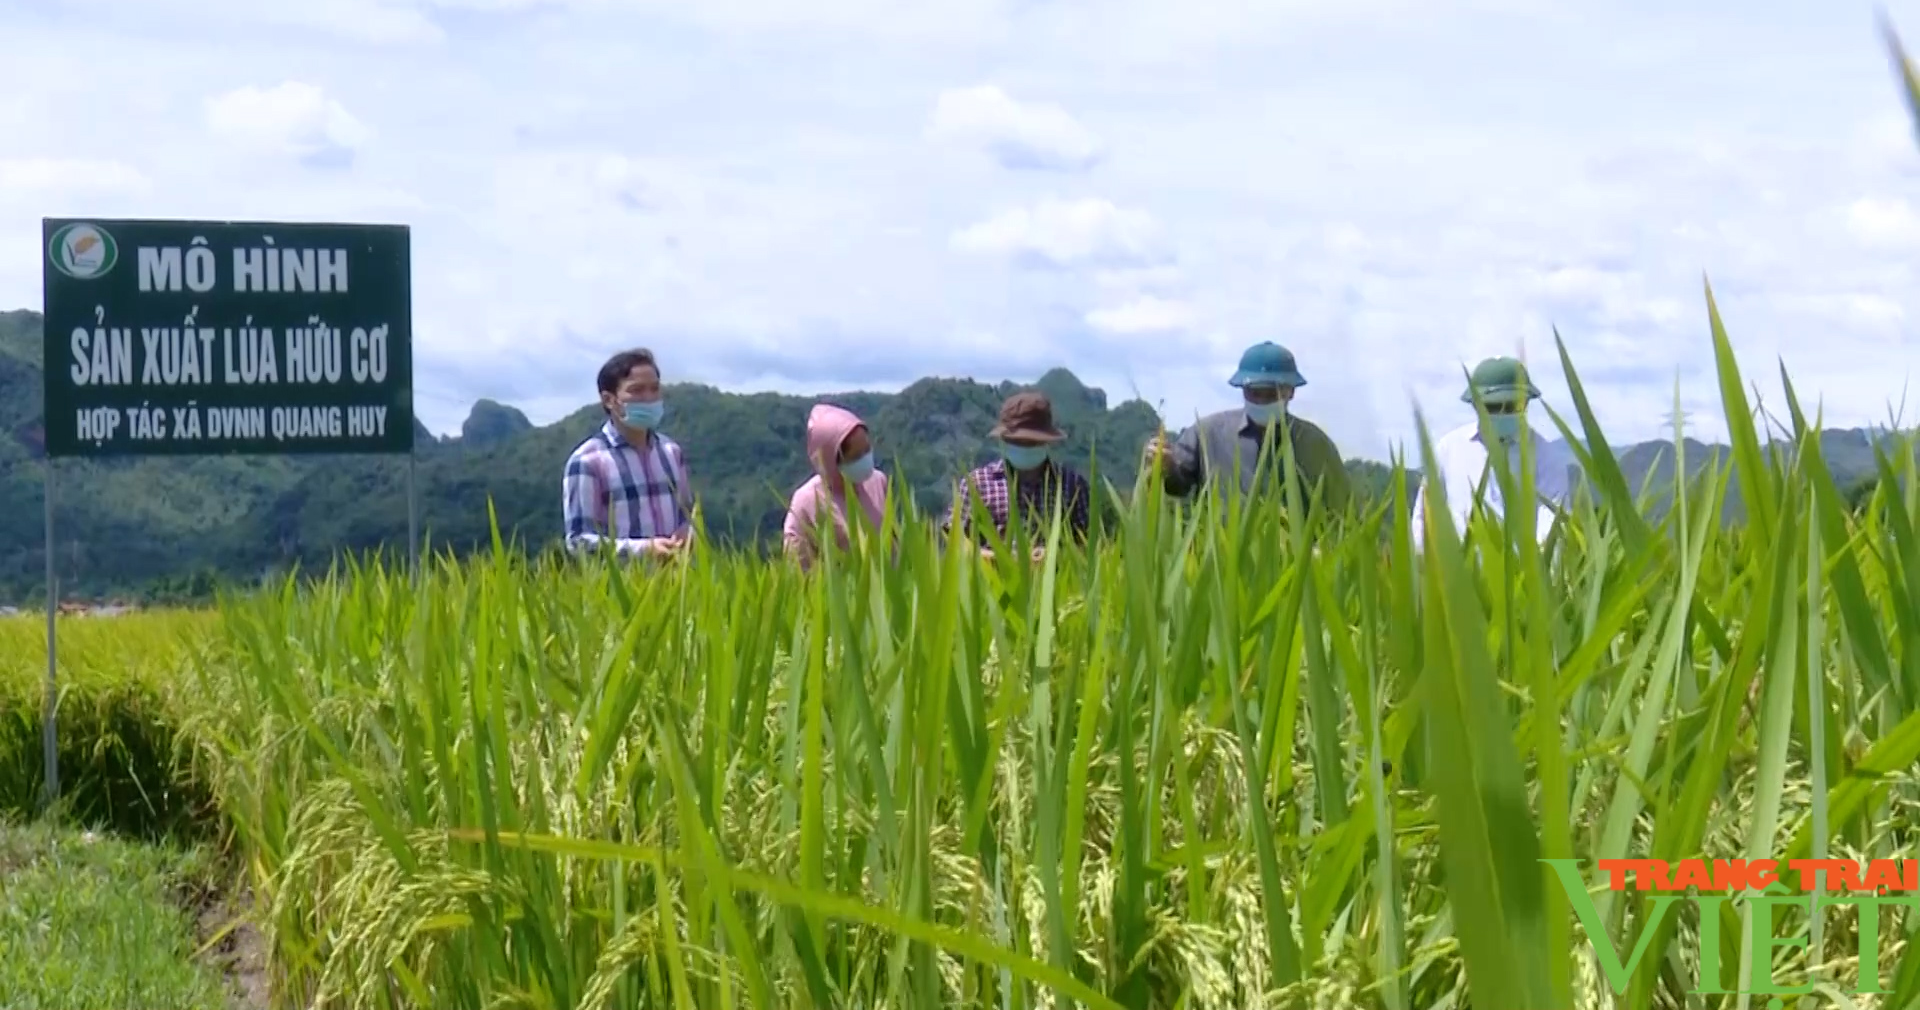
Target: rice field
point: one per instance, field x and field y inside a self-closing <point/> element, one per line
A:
<point x="1219" y="760"/>
<point x="120" y="756"/>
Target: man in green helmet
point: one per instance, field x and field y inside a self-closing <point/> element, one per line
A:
<point x="1233" y="448"/>
<point x="1465" y="465"/>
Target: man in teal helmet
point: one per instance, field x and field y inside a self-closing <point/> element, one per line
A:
<point x="1465" y="464"/>
<point x="1233" y="448"/>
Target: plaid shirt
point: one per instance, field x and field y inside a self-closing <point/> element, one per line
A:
<point x="641" y="489"/>
<point x="996" y="489"/>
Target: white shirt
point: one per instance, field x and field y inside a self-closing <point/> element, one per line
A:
<point x="1462" y="461"/>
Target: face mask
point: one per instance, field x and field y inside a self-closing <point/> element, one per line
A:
<point x="1505" y="426"/>
<point x="1024" y="457"/>
<point x="643" y="415"/>
<point x="1266" y="413"/>
<point x="858" y="470"/>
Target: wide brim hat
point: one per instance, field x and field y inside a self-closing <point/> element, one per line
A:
<point x="1267" y="364"/>
<point x="1500" y="382"/>
<point x="1027" y="415"/>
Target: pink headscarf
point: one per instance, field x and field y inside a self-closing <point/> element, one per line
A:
<point x="827" y="428"/>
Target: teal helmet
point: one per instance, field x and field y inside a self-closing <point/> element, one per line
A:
<point x="1500" y="382"/>
<point x="1267" y="364"/>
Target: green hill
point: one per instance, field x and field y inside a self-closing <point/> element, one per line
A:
<point x="126" y="525"/>
<point x="133" y="526"/>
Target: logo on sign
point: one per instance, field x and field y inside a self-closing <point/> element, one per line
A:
<point x="83" y="251"/>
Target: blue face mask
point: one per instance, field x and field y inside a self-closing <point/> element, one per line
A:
<point x="1024" y="457"/>
<point x="643" y="415"/>
<point x="1506" y="427"/>
<point x="1265" y="413"/>
<point x="858" y="470"/>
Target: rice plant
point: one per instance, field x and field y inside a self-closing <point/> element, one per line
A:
<point x="1220" y="759"/>
<point x="120" y="755"/>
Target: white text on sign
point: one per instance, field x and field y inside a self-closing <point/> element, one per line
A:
<point x="235" y="356"/>
<point x="193" y="423"/>
<point x="265" y="269"/>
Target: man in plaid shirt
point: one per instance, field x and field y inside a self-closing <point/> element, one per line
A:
<point x="626" y="485"/>
<point x="1024" y="479"/>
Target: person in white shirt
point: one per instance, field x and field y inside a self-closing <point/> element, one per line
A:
<point x="1464" y="464"/>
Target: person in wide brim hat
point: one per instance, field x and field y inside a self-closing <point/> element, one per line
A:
<point x="1239" y="444"/>
<point x="1026" y="482"/>
<point x="1027" y="419"/>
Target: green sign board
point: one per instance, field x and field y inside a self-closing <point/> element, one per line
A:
<point x="211" y="338"/>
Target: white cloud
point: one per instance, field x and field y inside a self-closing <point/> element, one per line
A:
<point x="1158" y="277"/>
<point x="291" y="119"/>
<point x="1884" y="223"/>
<point x="372" y="22"/>
<point x="1145" y="314"/>
<point x="1885" y="141"/>
<point x="1110" y="32"/>
<point x="68" y="174"/>
<point x="1017" y="135"/>
<point x="1859" y="312"/>
<point x="789" y="195"/>
<point x="1065" y="233"/>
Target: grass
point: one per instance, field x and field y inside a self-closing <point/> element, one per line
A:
<point x="90" y="922"/>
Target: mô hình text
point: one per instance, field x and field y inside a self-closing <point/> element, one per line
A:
<point x="263" y="269"/>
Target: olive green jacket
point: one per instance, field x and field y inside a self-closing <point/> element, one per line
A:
<point x="1230" y="443"/>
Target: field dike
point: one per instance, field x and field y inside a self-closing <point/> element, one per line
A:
<point x="1219" y="760"/>
<point x="123" y="765"/>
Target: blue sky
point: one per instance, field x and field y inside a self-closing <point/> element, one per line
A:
<point x="834" y="194"/>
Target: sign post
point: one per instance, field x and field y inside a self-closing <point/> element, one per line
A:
<point x="47" y="739"/>
<point x="189" y="338"/>
<point x="413" y="519"/>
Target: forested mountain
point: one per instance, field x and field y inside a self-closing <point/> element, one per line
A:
<point x="124" y="525"/>
<point x="129" y="526"/>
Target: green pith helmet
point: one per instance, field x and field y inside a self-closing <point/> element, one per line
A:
<point x="1267" y="364"/>
<point x="1500" y="381"/>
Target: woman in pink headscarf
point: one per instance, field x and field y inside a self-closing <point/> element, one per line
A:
<point x="842" y="455"/>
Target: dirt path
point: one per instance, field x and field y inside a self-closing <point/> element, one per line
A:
<point x="238" y="950"/>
